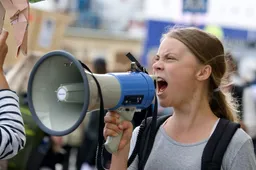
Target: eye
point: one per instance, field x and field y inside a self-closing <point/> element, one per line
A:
<point x="155" y="58"/>
<point x="169" y="58"/>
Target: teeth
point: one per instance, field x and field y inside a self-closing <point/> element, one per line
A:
<point x="160" y="79"/>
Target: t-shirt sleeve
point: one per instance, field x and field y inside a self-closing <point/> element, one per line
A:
<point x="134" y="164"/>
<point x="245" y="157"/>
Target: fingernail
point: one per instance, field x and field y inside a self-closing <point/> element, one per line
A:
<point x="116" y="134"/>
<point x="120" y="126"/>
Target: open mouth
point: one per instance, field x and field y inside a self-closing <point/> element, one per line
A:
<point x="161" y="84"/>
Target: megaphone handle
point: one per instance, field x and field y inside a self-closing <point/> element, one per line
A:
<point x="112" y="143"/>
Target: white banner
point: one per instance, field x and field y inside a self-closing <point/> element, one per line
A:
<point x="229" y="13"/>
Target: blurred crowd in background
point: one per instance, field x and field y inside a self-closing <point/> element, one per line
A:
<point x="100" y="33"/>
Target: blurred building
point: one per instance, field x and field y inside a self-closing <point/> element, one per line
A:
<point x="229" y="20"/>
<point x="110" y="29"/>
<point x="98" y="28"/>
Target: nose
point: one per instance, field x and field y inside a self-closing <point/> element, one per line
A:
<point x="158" y="65"/>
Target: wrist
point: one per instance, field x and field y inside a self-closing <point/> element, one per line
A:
<point x="3" y="82"/>
<point x="120" y="159"/>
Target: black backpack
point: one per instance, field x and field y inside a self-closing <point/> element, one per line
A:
<point x="213" y="152"/>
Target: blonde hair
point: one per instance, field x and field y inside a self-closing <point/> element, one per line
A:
<point x="209" y="50"/>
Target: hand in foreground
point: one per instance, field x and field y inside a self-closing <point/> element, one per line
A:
<point x="3" y="48"/>
<point x="113" y="127"/>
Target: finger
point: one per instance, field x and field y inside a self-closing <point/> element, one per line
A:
<point x="113" y="113"/>
<point x="125" y="125"/>
<point x="111" y="119"/>
<point x="4" y="49"/>
<point x="113" y="127"/>
<point x="4" y="36"/>
<point x="109" y="132"/>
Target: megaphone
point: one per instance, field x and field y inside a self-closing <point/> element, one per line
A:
<point x="61" y="91"/>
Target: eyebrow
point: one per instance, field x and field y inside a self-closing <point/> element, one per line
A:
<point x="166" y="54"/>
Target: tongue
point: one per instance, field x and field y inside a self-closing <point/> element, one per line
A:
<point x="162" y="88"/>
<point x="162" y="85"/>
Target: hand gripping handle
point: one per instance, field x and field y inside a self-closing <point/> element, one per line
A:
<point x="112" y="143"/>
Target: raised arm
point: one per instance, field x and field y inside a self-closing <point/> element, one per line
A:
<point x="12" y="132"/>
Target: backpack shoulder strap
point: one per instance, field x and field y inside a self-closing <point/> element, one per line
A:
<point x="216" y="146"/>
<point x="143" y="129"/>
<point x="147" y="144"/>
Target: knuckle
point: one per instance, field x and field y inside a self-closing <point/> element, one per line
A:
<point x="113" y="113"/>
<point x="115" y="120"/>
<point x="110" y="126"/>
<point x="105" y="132"/>
<point x="107" y="126"/>
<point x="108" y="132"/>
<point x="105" y="119"/>
<point x="110" y="119"/>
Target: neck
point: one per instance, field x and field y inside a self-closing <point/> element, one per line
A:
<point x="195" y="112"/>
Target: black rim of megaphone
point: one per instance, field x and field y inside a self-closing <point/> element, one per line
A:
<point x="86" y="92"/>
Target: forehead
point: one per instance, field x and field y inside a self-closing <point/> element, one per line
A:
<point x="172" y="45"/>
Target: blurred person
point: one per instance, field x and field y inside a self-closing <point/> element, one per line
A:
<point x="249" y="97"/>
<point x="236" y="85"/>
<point x="190" y="65"/>
<point x="99" y="66"/>
<point x="54" y="153"/>
<point x="12" y="136"/>
<point x="71" y="144"/>
<point x="47" y="154"/>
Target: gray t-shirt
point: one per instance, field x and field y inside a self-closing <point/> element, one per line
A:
<point x="169" y="154"/>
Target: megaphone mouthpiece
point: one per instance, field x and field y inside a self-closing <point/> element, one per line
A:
<point x="73" y="93"/>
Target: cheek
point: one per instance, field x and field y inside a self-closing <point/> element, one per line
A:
<point x="181" y="75"/>
<point x="181" y="79"/>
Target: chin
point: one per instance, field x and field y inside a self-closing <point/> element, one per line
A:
<point x="163" y="103"/>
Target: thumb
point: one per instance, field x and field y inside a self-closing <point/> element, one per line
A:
<point x="4" y="35"/>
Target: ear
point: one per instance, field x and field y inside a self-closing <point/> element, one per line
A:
<point x="204" y="73"/>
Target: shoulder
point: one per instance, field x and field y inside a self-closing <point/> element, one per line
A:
<point x="134" y="139"/>
<point x="240" y="144"/>
<point x="239" y="139"/>
<point x="135" y="132"/>
<point x="8" y="92"/>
